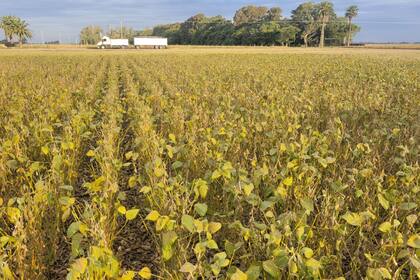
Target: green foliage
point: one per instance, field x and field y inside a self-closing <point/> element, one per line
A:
<point x="254" y="25"/>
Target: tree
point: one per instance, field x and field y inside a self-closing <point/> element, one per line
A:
<point x="90" y="35"/>
<point x="325" y="12"/>
<point x="121" y="32"/>
<point x="170" y="31"/>
<point x="8" y="24"/>
<point x="21" y="29"/>
<point x="305" y="18"/>
<point x="274" y="14"/>
<point x="351" y="13"/>
<point x="190" y="27"/>
<point x="249" y="14"/>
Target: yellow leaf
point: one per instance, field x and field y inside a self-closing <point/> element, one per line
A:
<point x="172" y="137"/>
<point x="122" y="210"/>
<point x="80" y="265"/>
<point x="307" y="252"/>
<point x="90" y="153"/>
<point x="145" y="273"/>
<point x="239" y="275"/>
<point x="187" y="268"/>
<point x="153" y="216"/>
<point x="45" y="150"/>
<point x="385" y="227"/>
<point x="282" y="192"/>
<point x="131" y="214"/>
<point x="248" y="189"/>
<point x="132" y="181"/>
<point x="214" y="227"/>
<point x="353" y="219"/>
<point x="128" y="275"/>
<point x="288" y="181"/>
<point x="414" y="241"/>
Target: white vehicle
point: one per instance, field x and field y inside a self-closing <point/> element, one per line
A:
<point x="151" y="42"/>
<point x="107" y="42"/>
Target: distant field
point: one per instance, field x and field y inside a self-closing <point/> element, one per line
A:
<point x="408" y="53"/>
<point x="209" y="163"/>
<point x="394" y="46"/>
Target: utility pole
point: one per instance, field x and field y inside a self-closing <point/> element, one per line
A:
<point x="121" y="28"/>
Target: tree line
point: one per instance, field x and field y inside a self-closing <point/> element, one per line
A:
<point x="310" y="24"/>
<point x="15" y="27"/>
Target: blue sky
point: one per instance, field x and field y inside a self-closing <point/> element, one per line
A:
<point x="381" y="20"/>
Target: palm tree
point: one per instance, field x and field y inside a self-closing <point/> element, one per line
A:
<point x="351" y="13"/>
<point x="8" y="23"/>
<point x="325" y="12"/>
<point x="22" y="31"/>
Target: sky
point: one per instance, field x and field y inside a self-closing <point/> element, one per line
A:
<point x="380" y="20"/>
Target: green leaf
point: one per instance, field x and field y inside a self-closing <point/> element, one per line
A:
<point x="188" y="223"/>
<point x="353" y="219"/>
<point x="308" y="204"/>
<point x="378" y="273"/>
<point x="415" y="262"/>
<point x="407" y="206"/>
<point x="168" y="239"/>
<point x="73" y="228"/>
<point x="201" y="209"/>
<point x="131" y="214"/>
<point x="253" y="272"/>
<point x="176" y="165"/>
<point x="271" y="268"/>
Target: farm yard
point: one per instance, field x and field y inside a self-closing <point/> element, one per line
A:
<point x="210" y="163"/>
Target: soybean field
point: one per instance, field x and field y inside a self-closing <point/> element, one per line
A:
<point x="218" y="163"/>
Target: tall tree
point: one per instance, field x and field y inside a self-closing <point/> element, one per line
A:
<point x="351" y="13"/>
<point x="8" y="24"/>
<point x="191" y="26"/>
<point x="274" y="14"/>
<point x="171" y="31"/>
<point x="305" y="18"/>
<point x="90" y="35"/>
<point x="325" y="12"/>
<point x="22" y="31"/>
<point x="121" y="32"/>
<point x="249" y="14"/>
